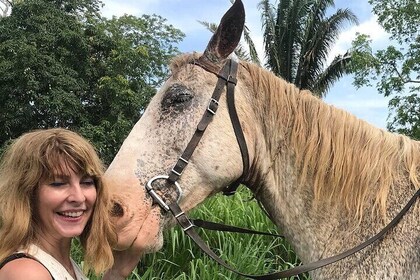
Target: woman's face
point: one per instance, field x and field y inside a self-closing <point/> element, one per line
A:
<point x="65" y="204"/>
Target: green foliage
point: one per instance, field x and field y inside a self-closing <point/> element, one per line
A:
<point x="181" y="259"/>
<point x="400" y="18"/>
<point x="394" y="71"/>
<point x="407" y="115"/>
<point x="298" y="36"/>
<point x="62" y="65"/>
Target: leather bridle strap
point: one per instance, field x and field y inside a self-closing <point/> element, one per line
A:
<point x="240" y="138"/>
<point x="207" y="117"/>
<point x="188" y="228"/>
<point x="228" y="228"/>
<point x="227" y="77"/>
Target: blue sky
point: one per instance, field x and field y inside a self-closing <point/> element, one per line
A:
<point x="365" y="103"/>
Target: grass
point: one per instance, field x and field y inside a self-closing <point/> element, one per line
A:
<point x="181" y="259"/>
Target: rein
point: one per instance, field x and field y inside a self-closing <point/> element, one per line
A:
<point x="227" y="78"/>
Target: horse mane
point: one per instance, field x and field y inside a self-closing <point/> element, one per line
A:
<point x="351" y="162"/>
<point x="183" y="59"/>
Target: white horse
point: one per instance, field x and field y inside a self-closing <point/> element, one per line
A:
<point x="328" y="180"/>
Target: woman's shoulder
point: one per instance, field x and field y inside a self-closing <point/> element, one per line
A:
<point x="24" y="268"/>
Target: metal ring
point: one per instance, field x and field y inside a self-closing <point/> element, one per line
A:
<point x="158" y="199"/>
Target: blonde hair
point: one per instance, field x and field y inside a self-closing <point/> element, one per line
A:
<point x="350" y="162"/>
<point x="36" y="155"/>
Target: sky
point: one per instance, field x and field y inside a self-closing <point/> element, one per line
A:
<point x="365" y="102"/>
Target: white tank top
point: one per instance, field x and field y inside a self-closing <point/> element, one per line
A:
<point x="57" y="270"/>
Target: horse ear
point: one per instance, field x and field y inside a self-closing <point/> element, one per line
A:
<point x="228" y="34"/>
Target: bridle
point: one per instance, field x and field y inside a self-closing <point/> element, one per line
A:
<point x="227" y="78"/>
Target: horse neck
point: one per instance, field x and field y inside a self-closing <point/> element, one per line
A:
<point x="349" y="168"/>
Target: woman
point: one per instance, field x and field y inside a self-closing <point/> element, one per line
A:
<point x="51" y="190"/>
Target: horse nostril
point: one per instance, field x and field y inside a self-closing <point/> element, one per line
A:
<point x="117" y="210"/>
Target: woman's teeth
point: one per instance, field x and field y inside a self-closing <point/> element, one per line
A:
<point x="71" y="214"/>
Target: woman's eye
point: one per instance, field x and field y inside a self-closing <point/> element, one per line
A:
<point x="57" y="184"/>
<point x="87" y="182"/>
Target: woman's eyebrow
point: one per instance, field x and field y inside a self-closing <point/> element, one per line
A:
<point x="60" y="176"/>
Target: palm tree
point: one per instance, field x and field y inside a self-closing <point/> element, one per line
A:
<point x="297" y="39"/>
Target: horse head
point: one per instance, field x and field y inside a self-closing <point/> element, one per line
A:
<point x="317" y="170"/>
<point x="164" y="130"/>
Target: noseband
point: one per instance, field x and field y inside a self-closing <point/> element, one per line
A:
<point x="227" y="78"/>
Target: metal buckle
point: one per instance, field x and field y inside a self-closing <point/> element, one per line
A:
<point x="190" y="224"/>
<point x="213" y="101"/>
<point x="156" y="197"/>
<point x="231" y="79"/>
<point x="182" y="168"/>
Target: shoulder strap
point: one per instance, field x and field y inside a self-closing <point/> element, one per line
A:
<point x="19" y="256"/>
<point x="11" y="258"/>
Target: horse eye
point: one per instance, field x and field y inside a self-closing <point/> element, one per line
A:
<point x="176" y="96"/>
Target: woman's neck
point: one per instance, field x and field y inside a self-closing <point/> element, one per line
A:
<point x="59" y="250"/>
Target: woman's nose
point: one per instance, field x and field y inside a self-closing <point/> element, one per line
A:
<point x="76" y="193"/>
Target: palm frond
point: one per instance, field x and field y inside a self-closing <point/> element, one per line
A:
<point x="321" y="33"/>
<point x="212" y="27"/>
<point x="269" y="26"/>
<point x="252" y="51"/>
<point x="337" y="69"/>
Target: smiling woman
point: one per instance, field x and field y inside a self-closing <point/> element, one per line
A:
<point x="64" y="204"/>
<point x="51" y="191"/>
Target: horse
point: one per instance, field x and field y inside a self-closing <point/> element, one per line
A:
<point x="327" y="179"/>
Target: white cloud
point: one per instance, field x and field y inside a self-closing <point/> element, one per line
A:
<point x="370" y="27"/>
<point x="120" y="8"/>
<point x="365" y="103"/>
